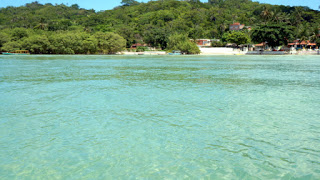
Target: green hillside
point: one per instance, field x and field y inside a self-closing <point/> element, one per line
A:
<point x="61" y="29"/>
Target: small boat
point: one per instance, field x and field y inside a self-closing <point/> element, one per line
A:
<point x="175" y="52"/>
<point x="17" y="52"/>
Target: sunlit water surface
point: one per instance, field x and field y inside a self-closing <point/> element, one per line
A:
<point x="174" y="117"/>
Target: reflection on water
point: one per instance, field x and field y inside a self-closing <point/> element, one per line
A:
<point x="215" y="117"/>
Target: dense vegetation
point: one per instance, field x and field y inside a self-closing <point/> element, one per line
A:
<point x="61" y="29"/>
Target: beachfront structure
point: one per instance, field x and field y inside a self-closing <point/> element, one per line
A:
<point x="236" y="26"/>
<point x="17" y="52"/>
<point x="297" y="44"/>
<point x="134" y="46"/>
<point x="261" y="46"/>
<point x="204" y="42"/>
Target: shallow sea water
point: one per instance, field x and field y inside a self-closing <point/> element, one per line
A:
<point x="155" y="117"/>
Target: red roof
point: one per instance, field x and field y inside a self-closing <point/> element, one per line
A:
<point x="296" y="42"/>
<point x="261" y="44"/>
<point x="235" y="23"/>
<point x="303" y="43"/>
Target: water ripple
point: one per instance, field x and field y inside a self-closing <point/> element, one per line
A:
<point x="189" y="117"/>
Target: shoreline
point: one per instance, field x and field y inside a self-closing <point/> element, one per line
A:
<point x="162" y="53"/>
<point x="233" y="53"/>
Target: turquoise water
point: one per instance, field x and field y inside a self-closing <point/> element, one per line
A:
<point x="181" y="117"/>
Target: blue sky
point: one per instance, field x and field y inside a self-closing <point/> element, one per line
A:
<point x="109" y="4"/>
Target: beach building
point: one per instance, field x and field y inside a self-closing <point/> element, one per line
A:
<point x="261" y="46"/>
<point x="301" y="45"/>
<point x="204" y="42"/>
<point x="236" y="26"/>
<point x="134" y="46"/>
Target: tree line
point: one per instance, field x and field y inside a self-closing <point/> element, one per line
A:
<point x="165" y="24"/>
<point x="61" y="42"/>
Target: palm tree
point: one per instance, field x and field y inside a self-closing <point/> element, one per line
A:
<point x="252" y="19"/>
<point x="297" y="15"/>
<point x="280" y="17"/>
<point x="223" y="27"/>
<point x="42" y="26"/>
<point x="313" y="37"/>
<point x="266" y="14"/>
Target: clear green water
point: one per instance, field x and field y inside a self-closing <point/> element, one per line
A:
<point x="125" y="117"/>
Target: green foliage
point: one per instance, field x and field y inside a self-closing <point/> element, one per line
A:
<point x="318" y="40"/>
<point x="11" y="46"/>
<point x="273" y="34"/>
<point x="90" y="45"/>
<point x="218" y="44"/>
<point x="71" y="29"/>
<point x="141" y="49"/>
<point x="4" y="37"/>
<point x="109" y="43"/>
<point x="56" y="25"/>
<point x="183" y="43"/>
<point x="156" y="37"/>
<point x="18" y="33"/>
<point x="237" y="37"/>
<point x="64" y="42"/>
<point x="36" y="44"/>
<point x="129" y="2"/>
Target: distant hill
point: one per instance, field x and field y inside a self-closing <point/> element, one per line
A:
<point x="154" y="21"/>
